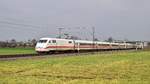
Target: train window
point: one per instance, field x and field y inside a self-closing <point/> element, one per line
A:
<point x="103" y="44"/>
<point x="114" y="45"/>
<point x="49" y="41"/>
<point x="70" y="42"/>
<point x="53" y="41"/>
<point x="42" y="41"/>
<point x="86" y="43"/>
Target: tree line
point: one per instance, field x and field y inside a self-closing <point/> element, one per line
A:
<point x="13" y="43"/>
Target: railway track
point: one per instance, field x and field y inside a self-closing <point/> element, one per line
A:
<point x="20" y="56"/>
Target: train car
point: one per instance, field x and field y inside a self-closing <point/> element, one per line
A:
<point x="55" y="44"/>
<point x="83" y="45"/>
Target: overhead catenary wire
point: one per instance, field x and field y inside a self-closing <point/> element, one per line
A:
<point x="78" y="31"/>
<point x="10" y="28"/>
<point x="24" y="28"/>
<point x="19" y="24"/>
<point x="35" y="27"/>
<point x="12" y="32"/>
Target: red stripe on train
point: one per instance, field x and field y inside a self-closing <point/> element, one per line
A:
<point x="77" y="47"/>
<point x="60" y="47"/>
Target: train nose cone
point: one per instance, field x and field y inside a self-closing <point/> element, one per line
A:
<point x="40" y="45"/>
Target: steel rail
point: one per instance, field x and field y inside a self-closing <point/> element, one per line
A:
<point x="62" y="53"/>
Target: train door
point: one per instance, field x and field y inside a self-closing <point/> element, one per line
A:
<point x="76" y="46"/>
<point x="74" y="43"/>
<point x="54" y="44"/>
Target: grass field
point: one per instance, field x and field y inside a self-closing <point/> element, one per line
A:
<point x="7" y="51"/>
<point x="115" y="68"/>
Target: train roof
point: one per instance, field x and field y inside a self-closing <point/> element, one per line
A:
<point x="84" y="41"/>
<point x="54" y="38"/>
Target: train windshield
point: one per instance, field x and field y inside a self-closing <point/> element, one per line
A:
<point x="42" y="41"/>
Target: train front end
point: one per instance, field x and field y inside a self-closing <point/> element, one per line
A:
<point x="41" y="45"/>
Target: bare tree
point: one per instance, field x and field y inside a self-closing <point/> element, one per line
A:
<point x="33" y="42"/>
<point x="13" y="43"/>
<point x="96" y="39"/>
<point x="110" y="39"/>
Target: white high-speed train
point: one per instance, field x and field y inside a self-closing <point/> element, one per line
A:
<point x="55" y="44"/>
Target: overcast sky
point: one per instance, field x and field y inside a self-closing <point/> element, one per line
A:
<point x="120" y="19"/>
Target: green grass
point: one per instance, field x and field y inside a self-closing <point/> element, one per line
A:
<point x="8" y="51"/>
<point x="115" y="68"/>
